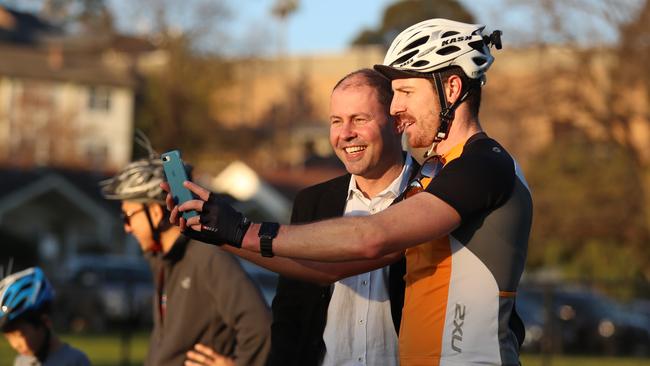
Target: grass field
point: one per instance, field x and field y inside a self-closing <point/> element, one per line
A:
<point x="103" y="350"/>
<point x="106" y="350"/>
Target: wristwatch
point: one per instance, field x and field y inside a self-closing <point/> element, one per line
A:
<point x="268" y="231"/>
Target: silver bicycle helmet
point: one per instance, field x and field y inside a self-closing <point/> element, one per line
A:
<point x="139" y="182"/>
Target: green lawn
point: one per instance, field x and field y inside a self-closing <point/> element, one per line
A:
<point x="106" y="350"/>
<point x="537" y="360"/>
<point x="103" y="350"/>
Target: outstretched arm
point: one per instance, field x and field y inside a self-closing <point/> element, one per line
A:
<point x="416" y="220"/>
<point x="320" y="272"/>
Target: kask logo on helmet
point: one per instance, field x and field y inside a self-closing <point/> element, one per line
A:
<point x="456" y="39"/>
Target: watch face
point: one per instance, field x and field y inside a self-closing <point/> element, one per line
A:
<point x="269" y="230"/>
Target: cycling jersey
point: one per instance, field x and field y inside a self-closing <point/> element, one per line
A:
<point x="459" y="300"/>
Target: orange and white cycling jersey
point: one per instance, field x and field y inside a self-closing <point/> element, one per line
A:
<point x="460" y="289"/>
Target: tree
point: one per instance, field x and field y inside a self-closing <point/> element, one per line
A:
<point x="603" y="90"/>
<point x="175" y="103"/>
<point x="587" y="216"/>
<point x="405" y="13"/>
<point x="87" y="16"/>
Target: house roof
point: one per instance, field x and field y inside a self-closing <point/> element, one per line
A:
<point x="21" y="27"/>
<point x="32" y="48"/>
<point x="13" y="181"/>
<point x="54" y="62"/>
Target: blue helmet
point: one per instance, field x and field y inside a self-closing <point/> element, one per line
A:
<point x="22" y="292"/>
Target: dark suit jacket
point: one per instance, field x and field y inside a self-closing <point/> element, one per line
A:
<point x="300" y="308"/>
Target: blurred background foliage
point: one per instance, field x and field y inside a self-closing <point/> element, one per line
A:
<point x="569" y="96"/>
<point x="591" y="182"/>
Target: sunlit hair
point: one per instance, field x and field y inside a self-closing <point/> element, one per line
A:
<point x="373" y="79"/>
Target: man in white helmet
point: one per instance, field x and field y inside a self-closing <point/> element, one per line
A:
<point x="464" y="225"/>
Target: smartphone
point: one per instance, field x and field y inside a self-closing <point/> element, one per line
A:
<point x="176" y="175"/>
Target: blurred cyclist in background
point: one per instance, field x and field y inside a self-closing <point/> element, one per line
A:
<point x="202" y="294"/>
<point x="25" y="308"/>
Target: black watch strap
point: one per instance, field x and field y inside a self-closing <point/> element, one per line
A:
<point x="268" y="231"/>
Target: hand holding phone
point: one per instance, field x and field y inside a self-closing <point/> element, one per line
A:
<point x="175" y="174"/>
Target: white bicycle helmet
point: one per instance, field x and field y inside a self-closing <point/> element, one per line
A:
<point x="436" y="44"/>
<point x="425" y="49"/>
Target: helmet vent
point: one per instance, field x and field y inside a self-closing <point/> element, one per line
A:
<point x="24" y="287"/>
<point x="404" y="58"/>
<point x="477" y="45"/>
<point x="479" y="60"/>
<point x="447" y="50"/>
<point x="19" y="305"/>
<point x="420" y="63"/>
<point x="449" y="34"/>
<point x="416" y="43"/>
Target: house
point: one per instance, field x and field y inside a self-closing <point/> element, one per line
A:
<point x="55" y="214"/>
<point x="65" y="101"/>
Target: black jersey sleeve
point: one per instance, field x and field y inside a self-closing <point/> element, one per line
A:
<point x="480" y="179"/>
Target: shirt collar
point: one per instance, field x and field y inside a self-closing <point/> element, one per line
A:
<point x="396" y="186"/>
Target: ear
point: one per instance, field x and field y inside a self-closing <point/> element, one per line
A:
<point x="453" y="88"/>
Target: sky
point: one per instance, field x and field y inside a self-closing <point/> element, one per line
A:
<point x="318" y="26"/>
<point x="324" y="26"/>
<point x="329" y="25"/>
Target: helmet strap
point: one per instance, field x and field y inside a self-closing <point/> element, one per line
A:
<point x="44" y="349"/>
<point x="155" y="230"/>
<point x="446" y="112"/>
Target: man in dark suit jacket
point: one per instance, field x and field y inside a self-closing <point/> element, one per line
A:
<point x="300" y="307"/>
<point x="315" y="322"/>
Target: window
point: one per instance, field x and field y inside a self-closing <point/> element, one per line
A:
<point x="99" y="98"/>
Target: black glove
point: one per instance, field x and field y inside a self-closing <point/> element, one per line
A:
<point x="221" y="224"/>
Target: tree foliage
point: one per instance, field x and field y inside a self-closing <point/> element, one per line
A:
<point x="85" y="16"/>
<point x="174" y="106"/>
<point x="588" y="218"/>
<point x="405" y="13"/>
<point x="603" y="91"/>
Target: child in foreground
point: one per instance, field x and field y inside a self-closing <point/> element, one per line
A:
<point x="25" y="307"/>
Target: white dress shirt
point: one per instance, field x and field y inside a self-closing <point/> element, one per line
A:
<point x="359" y="328"/>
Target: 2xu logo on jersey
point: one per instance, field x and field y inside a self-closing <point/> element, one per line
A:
<point x="457" y="333"/>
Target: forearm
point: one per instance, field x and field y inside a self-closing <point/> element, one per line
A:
<point x="322" y="273"/>
<point x="419" y="219"/>
<point x="340" y="240"/>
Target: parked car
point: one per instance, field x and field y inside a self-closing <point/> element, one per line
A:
<point x="530" y="308"/>
<point x="97" y="293"/>
<point x="574" y="320"/>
